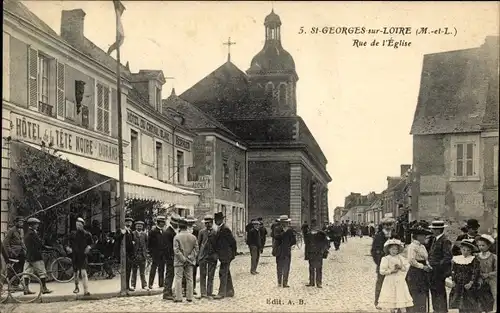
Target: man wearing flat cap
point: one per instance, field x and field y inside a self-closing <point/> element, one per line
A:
<point x="440" y="257"/>
<point x="158" y="248"/>
<point x="472" y="227"/>
<point x="79" y="243"/>
<point x="225" y="247"/>
<point x="140" y="239"/>
<point x="14" y="245"/>
<point x="168" y="239"/>
<point x="254" y="245"/>
<point x="126" y="233"/>
<point x="34" y="260"/>
<point x="207" y="258"/>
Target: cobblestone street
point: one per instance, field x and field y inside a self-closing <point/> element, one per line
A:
<point x="348" y="282"/>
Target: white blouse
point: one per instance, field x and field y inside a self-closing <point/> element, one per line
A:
<point x="417" y="252"/>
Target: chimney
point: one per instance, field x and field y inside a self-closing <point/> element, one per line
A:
<point x="404" y="169"/>
<point x="72" y="22"/>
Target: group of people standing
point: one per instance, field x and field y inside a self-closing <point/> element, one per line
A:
<point x="431" y="264"/>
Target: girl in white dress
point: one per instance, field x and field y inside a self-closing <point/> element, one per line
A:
<point x="394" y="294"/>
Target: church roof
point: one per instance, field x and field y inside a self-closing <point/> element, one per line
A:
<point x="224" y="74"/>
<point x="194" y="118"/>
<point x="272" y="18"/>
<point x="458" y="91"/>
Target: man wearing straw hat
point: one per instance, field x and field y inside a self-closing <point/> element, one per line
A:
<point x="440" y="260"/>
<point x="284" y="240"/>
<point x="140" y="239"/>
<point x="79" y="244"/>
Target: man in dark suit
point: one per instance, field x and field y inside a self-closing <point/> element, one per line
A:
<point x="440" y="261"/>
<point x="284" y="241"/>
<point x="386" y="232"/>
<point x="34" y="260"/>
<point x="158" y="249"/>
<point x="254" y="245"/>
<point x="168" y="239"/>
<point x="472" y="233"/>
<point x="263" y="234"/>
<point x="207" y="259"/>
<point x="316" y="249"/>
<point x="225" y="247"/>
<point x="129" y="248"/>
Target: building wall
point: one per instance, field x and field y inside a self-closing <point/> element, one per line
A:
<point x="440" y="193"/>
<point x="268" y="190"/>
<point x="233" y="155"/>
<point x="490" y="170"/>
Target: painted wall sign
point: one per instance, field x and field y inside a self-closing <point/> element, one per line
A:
<point x="34" y="131"/>
<point x="148" y="126"/>
<point x="182" y="143"/>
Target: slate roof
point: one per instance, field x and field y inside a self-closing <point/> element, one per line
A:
<point x="457" y="91"/>
<point x="17" y="8"/>
<point x="194" y="118"/>
<point x="204" y="89"/>
<point x="145" y="75"/>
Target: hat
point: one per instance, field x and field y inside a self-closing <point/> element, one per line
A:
<point x="208" y="218"/>
<point x="255" y="222"/>
<point x="387" y="220"/>
<point x="473" y="223"/>
<point x="218" y="216"/>
<point x="190" y="219"/>
<point x="182" y="221"/>
<point x="438" y="225"/>
<point x="33" y="220"/>
<point x="486" y="238"/>
<point x="283" y="218"/>
<point x="419" y="230"/>
<point x="129" y="219"/>
<point x="139" y="222"/>
<point x="160" y="218"/>
<point x="468" y="243"/>
<point x="80" y="220"/>
<point x="19" y="219"/>
<point x="393" y="242"/>
<point x="175" y="218"/>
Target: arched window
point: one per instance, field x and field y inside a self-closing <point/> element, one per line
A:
<point x="269" y="88"/>
<point x="282" y="94"/>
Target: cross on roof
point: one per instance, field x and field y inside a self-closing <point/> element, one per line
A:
<point x="229" y="43"/>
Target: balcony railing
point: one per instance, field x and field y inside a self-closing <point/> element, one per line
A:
<point x="45" y="108"/>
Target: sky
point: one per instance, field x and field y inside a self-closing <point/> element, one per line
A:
<point x="357" y="101"/>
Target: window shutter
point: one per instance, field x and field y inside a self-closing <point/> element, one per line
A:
<point x="60" y="89"/>
<point x="99" y="107"/>
<point x="105" y="124"/>
<point x="33" y="77"/>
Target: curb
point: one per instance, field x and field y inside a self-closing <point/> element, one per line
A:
<point x="109" y="295"/>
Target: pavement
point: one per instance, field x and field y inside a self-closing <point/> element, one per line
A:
<point x="348" y="286"/>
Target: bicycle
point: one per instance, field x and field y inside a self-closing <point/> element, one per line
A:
<point x="61" y="269"/>
<point x="15" y="288"/>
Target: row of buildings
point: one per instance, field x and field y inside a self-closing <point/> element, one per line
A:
<point x="454" y="175"/>
<point x="232" y="143"/>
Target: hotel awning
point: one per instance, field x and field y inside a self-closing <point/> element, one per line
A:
<point x="137" y="185"/>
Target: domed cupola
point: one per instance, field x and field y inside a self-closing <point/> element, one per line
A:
<point x="272" y="57"/>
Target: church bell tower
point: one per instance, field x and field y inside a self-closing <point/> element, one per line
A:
<point x="272" y="72"/>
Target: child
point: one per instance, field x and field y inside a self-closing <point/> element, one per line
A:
<point x="488" y="265"/>
<point x="465" y="275"/>
<point x="394" y="294"/>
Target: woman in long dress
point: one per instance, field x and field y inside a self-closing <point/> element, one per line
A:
<point x="394" y="294"/>
<point x="465" y="275"/>
<point x="417" y="278"/>
<point x="488" y="265"/>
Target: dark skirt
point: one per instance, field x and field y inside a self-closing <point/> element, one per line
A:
<point x="463" y="299"/>
<point x="485" y="297"/>
<point x="418" y="285"/>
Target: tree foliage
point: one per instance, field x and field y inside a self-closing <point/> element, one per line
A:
<point x="45" y="179"/>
